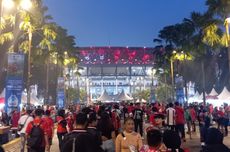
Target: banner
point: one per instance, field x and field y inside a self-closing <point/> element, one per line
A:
<point x="61" y="92"/>
<point x="14" y="81"/>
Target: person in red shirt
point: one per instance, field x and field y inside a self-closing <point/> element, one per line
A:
<point x="180" y="120"/>
<point x="70" y="121"/>
<point x="15" y="118"/>
<point x="193" y="117"/>
<point x="61" y="126"/>
<point x="45" y="146"/>
<point x="151" y="118"/>
<point x="131" y="108"/>
<point x="220" y="119"/>
<point x="50" y="125"/>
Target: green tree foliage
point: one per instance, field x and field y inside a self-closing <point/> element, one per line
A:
<point x="163" y="92"/>
<point x="142" y="94"/>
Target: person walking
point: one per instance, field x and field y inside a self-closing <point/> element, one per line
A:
<point x="180" y="120"/>
<point x="138" y="118"/>
<point x="37" y="134"/>
<point x="61" y="126"/>
<point x="128" y="140"/>
<point x="92" y="124"/>
<point x="50" y="125"/>
<point x="22" y="125"/>
<point x="170" y="117"/>
<point x="105" y="126"/>
<point x="79" y="140"/>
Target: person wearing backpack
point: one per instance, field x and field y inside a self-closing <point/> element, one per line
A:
<point x="36" y="133"/>
<point x="138" y="118"/>
<point x="61" y="126"/>
<point x="79" y="140"/>
<point x="22" y="125"/>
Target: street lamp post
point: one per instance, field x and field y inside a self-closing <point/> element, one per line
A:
<point x="172" y="74"/>
<point x="29" y="66"/>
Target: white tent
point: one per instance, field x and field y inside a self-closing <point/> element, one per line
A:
<point x="104" y="97"/>
<point x="2" y="95"/>
<point x="201" y="96"/>
<point x="213" y="92"/>
<point x="123" y="97"/>
<point x="33" y="99"/>
<point x="224" y="95"/>
<point x="196" y="95"/>
<point x="141" y="101"/>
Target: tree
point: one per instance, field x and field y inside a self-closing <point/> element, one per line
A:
<point x="142" y="94"/>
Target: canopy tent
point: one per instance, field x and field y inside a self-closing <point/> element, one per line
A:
<point x="123" y="97"/>
<point x="224" y="95"/>
<point x="141" y="101"/>
<point x="196" y="95"/>
<point x="2" y="96"/>
<point x="33" y="99"/>
<point x="213" y="93"/>
<point x="104" y="97"/>
<point x="201" y="96"/>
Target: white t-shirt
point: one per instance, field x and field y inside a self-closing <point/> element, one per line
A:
<point x="23" y="120"/>
<point x="170" y="116"/>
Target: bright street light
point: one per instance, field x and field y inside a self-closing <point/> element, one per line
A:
<point x="227" y="20"/>
<point x="26" y="4"/>
<point x="8" y="4"/>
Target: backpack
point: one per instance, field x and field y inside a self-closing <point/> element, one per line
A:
<point x="36" y="136"/>
<point x="69" y="141"/>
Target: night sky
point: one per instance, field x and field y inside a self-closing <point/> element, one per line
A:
<point x="119" y="22"/>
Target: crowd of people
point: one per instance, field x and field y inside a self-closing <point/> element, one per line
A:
<point x="122" y="127"/>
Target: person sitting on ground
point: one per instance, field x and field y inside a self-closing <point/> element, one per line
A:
<point x="172" y="141"/>
<point x="128" y="140"/>
<point x="154" y="140"/>
<point x="214" y="141"/>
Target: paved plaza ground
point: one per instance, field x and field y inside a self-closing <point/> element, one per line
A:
<point x="192" y="144"/>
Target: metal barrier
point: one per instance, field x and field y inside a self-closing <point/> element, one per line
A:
<point x="13" y="146"/>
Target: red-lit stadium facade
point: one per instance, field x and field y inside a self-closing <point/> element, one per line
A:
<point x="115" y="69"/>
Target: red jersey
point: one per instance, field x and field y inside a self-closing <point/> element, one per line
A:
<point x="152" y="119"/>
<point x="192" y="114"/>
<point x="116" y="120"/>
<point x="50" y="126"/>
<point x="220" y="113"/>
<point x="179" y="115"/>
<point x="61" y="128"/>
<point x="130" y="109"/>
<point x="15" y="118"/>
<point x="43" y="126"/>
<point x="70" y="122"/>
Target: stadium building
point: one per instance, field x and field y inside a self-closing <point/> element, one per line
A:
<point x="115" y="69"/>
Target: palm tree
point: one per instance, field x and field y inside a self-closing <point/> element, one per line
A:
<point x="220" y="9"/>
